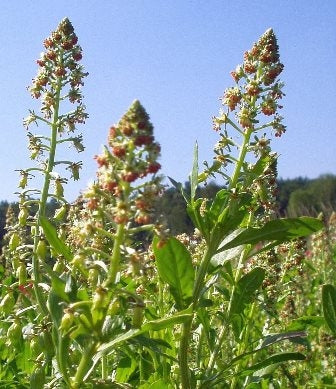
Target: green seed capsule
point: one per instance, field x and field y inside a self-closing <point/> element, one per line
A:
<point x="14" y="332"/>
<point x="37" y="379"/>
<point x="60" y="213"/>
<point x="35" y="347"/>
<point x="67" y="320"/>
<point x="41" y="249"/>
<point x="99" y="299"/>
<point x="7" y="303"/>
<point x="93" y="277"/>
<point x="23" y="214"/>
<point x="14" y="241"/>
<point x="21" y="274"/>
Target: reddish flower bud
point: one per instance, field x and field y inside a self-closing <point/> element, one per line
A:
<point x="101" y="160"/>
<point x="92" y="204"/>
<point x="77" y="56"/>
<point x="153" y="168"/>
<point x="119" y="151"/>
<point x="130" y="176"/>
<point x="143" y="140"/>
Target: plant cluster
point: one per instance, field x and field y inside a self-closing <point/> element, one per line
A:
<point x="99" y="294"/>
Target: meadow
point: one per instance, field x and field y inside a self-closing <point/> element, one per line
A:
<point x="99" y="293"/>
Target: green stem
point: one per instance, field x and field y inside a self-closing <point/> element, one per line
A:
<point x="183" y="354"/>
<point x="115" y="257"/>
<point x="241" y="158"/>
<point x="84" y="365"/>
<point x="187" y="326"/>
<point x="44" y="198"/>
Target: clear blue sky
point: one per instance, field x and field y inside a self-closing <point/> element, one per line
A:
<point x="175" y="57"/>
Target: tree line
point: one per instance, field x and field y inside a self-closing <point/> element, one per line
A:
<point x="296" y="197"/>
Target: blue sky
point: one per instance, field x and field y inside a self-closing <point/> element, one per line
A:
<point x="175" y="57"/>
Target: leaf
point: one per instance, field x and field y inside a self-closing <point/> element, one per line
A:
<point x="303" y="322"/>
<point x="218" y="205"/>
<point x="166" y="322"/>
<point x="179" y="187"/>
<point x="175" y="268"/>
<point x="329" y="306"/>
<point x="274" y="338"/>
<point x="245" y="289"/>
<point x="194" y="175"/>
<point x="268" y="341"/>
<point x="273" y="359"/>
<point x="126" y="367"/>
<point x="154" y="325"/>
<point x="55" y="242"/>
<point x="279" y="230"/>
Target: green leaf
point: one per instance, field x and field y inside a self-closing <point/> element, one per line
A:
<point x="126" y="367"/>
<point x="329" y="306"/>
<point x="273" y="359"/>
<point x="175" y="268"/>
<point x="274" y="338"/>
<point x="244" y="291"/>
<point x="179" y="187"/>
<point x="166" y="322"/>
<point x="304" y="322"/>
<point x="194" y="175"/>
<point x="279" y="230"/>
<point x="55" y="242"/>
<point x="218" y="205"/>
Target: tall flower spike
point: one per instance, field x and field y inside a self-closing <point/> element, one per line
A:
<point x="251" y="105"/>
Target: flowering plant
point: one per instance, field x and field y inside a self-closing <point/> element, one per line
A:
<point x="98" y="294"/>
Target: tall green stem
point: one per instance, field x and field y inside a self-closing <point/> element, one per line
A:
<point x="44" y="198"/>
<point x="187" y="326"/>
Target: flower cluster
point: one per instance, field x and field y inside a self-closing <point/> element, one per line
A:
<point x="59" y="67"/>
<point x="115" y="198"/>
<point x="257" y="91"/>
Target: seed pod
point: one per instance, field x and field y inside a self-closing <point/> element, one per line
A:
<point x="59" y="266"/>
<point x="7" y="303"/>
<point x="16" y="262"/>
<point x="14" y="241"/>
<point x="14" y="332"/>
<point x="99" y="298"/>
<point x="67" y="320"/>
<point x="47" y="344"/>
<point x="60" y="213"/>
<point x="23" y="214"/>
<point x="93" y="277"/>
<point x="35" y="347"/>
<point x="21" y="274"/>
<point x="41" y="249"/>
<point x="37" y="379"/>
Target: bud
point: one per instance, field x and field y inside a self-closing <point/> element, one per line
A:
<point x="23" y="214"/>
<point x="14" y="241"/>
<point x="41" y="249"/>
<point x="7" y="303"/>
<point x="67" y="320"/>
<point x="21" y="274"/>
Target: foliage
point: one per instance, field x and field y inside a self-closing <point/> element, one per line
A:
<point x="99" y="293"/>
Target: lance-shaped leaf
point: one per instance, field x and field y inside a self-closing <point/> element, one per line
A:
<point x="279" y="230"/>
<point x="194" y="175"/>
<point x="244" y="291"/>
<point x="55" y="242"/>
<point x="272" y="360"/>
<point x="175" y="268"/>
<point x="329" y="306"/>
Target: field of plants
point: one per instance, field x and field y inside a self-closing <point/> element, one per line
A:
<point x="99" y="293"/>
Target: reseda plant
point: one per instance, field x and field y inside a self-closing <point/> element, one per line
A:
<point x="92" y="303"/>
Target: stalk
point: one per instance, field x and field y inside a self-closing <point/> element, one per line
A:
<point x="84" y="365"/>
<point x="44" y="198"/>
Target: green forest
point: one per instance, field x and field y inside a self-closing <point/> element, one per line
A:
<point x="296" y="197"/>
